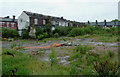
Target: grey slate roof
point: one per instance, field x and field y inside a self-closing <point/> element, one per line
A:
<point x="103" y="23"/>
<point x="7" y="20"/>
<point x="41" y="16"/>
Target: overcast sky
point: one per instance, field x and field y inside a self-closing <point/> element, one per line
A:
<point x="78" y="10"/>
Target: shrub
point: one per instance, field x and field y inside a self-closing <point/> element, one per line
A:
<point x="76" y="31"/>
<point x="40" y="37"/>
<point x="62" y="31"/>
<point x="9" y="33"/>
<point x="56" y="35"/>
<point x="87" y="30"/>
<point x="48" y="29"/>
<point x="38" y="31"/>
<point x="45" y="35"/>
<point x="25" y="34"/>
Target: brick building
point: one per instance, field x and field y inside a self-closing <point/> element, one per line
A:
<point x="9" y="23"/>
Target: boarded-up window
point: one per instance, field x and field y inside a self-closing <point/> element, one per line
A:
<point x="44" y="22"/>
<point x="35" y="21"/>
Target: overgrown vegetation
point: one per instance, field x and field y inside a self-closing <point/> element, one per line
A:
<point x="106" y="68"/>
<point x="9" y="33"/>
<point x="25" y="34"/>
<point x="28" y="65"/>
<point x="91" y="63"/>
<point x="52" y="58"/>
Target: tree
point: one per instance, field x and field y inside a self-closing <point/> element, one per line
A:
<point x="116" y="20"/>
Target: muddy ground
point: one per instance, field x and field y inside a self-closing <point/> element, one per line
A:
<point x="62" y="52"/>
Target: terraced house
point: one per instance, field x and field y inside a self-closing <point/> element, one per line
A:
<point x="33" y="20"/>
<point x="9" y="23"/>
<point x="105" y="24"/>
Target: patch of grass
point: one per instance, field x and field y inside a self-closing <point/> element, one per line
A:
<point x="28" y="65"/>
<point x="13" y="45"/>
<point x="83" y="49"/>
<point x="110" y="54"/>
<point x="105" y="38"/>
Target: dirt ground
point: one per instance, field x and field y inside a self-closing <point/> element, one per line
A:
<point x="62" y="52"/>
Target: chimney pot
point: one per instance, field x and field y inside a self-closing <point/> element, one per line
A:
<point x="62" y="17"/>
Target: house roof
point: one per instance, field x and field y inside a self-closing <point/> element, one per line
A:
<point x="41" y="16"/>
<point x="103" y="23"/>
<point x="7" y="19"/>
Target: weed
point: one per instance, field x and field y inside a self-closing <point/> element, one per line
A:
<point x="106" y="67"/>
<point x="52" y="58"/>
<point x="13" y="45"/>
<point x="110" y="54"/>
<point x="83" y="49"/>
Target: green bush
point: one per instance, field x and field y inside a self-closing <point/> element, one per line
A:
<point x="42" y="33"/>
<point x="62" y="31"/>
<point x="25" y="34"/>
<point x="38" y="31"/>
<point x="56" y="35"/>
<point x="76" y="32"/>
<point x="40" y="37"/>
<point x="9" y="33"/>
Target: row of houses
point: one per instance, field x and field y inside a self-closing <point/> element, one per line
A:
<point x="104" y="24"/>
<point x="32" y="20"/>
<point x="9" y="23"/>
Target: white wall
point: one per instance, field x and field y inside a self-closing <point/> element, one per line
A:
<point x="23" y="21"/>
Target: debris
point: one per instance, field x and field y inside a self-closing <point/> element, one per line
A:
<point x="8" y="53"/>
<point x="10" y="39"/>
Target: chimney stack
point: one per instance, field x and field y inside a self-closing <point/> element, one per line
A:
<point x="13" y="17"/>
<point x="96" y="22"/>
<point x="62" y="17"/>
<point x="105" y="23"/>
<point x="89" y="22"/>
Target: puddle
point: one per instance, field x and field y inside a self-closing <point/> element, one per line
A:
<point x="63" y="57"/>
<point x="60" y="59"/>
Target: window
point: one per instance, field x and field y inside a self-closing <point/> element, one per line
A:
<point x="2" y="23"/>
<point x="12" y="24"/>
<point x="7" y="24"/>
<point x="35" y="21"/>
<point x="44" y="22"/>
<point x="21" y="20"/>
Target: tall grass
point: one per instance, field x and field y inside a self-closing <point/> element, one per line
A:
<point x="52" y="57"/>
<point x="28" y="65"/>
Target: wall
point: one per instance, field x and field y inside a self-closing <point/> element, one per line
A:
<point x="23" y="21"/>
<point x="9" y="25"/>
